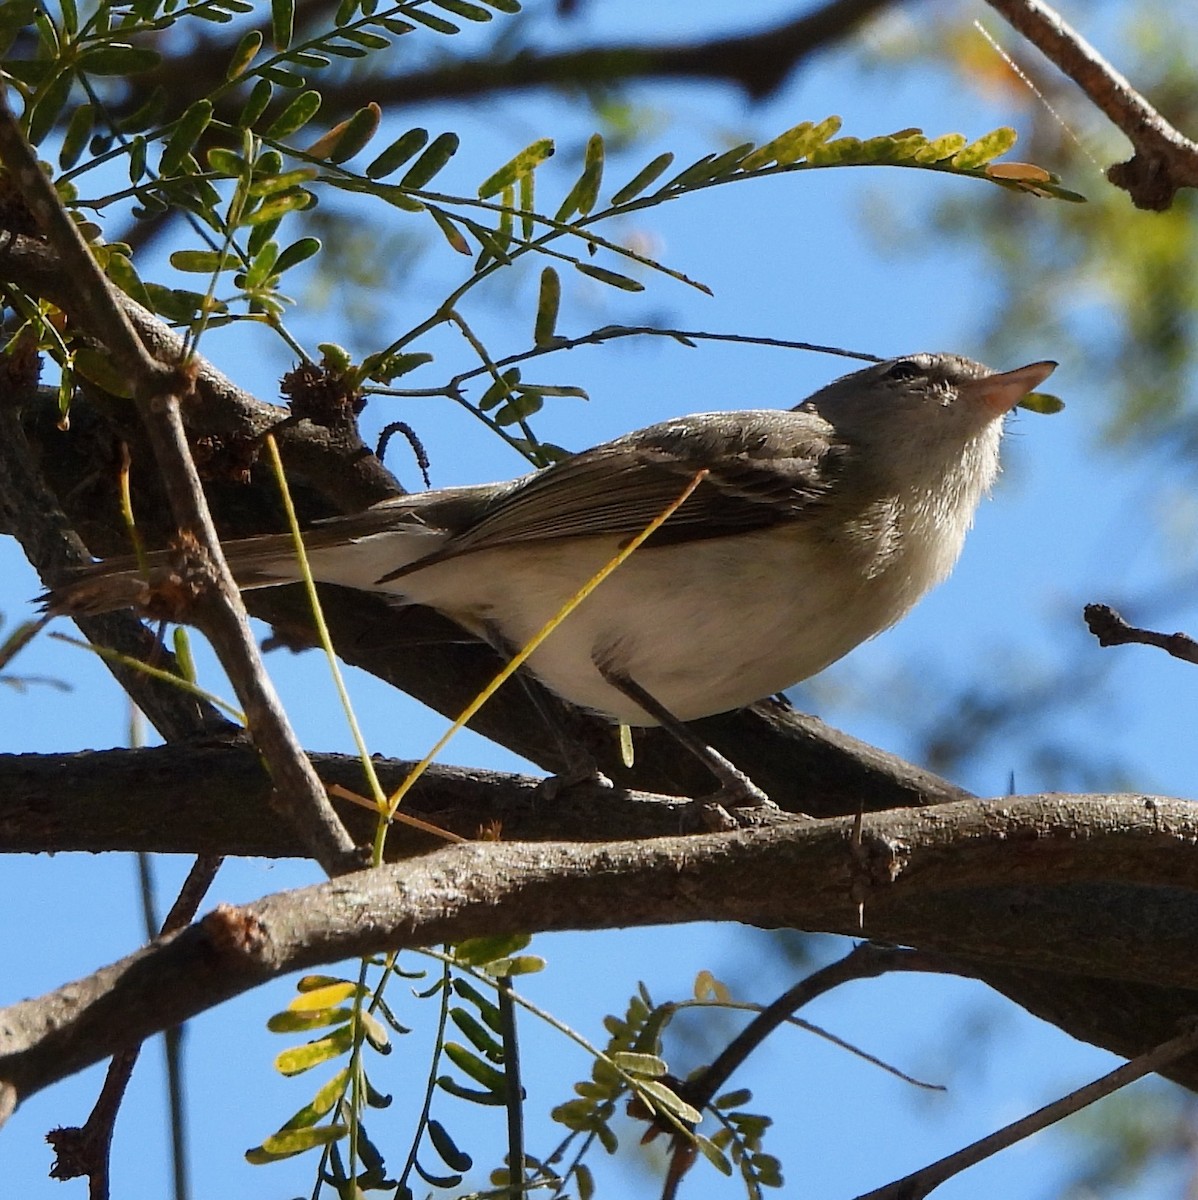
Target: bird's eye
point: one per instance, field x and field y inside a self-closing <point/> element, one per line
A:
<point x="904" y="369"/>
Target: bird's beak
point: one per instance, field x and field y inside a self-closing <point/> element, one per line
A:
<point x="1001" y="392"/>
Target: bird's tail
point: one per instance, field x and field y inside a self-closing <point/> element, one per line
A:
<point x="162" y="581"/>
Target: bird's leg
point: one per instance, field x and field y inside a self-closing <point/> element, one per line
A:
<point x="577" y="764"/>
<point x="737" y="790"/>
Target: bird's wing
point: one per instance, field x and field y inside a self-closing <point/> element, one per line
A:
<point x="764" y="467"/>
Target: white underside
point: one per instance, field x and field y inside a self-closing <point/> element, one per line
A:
<point x="663" y="617"/>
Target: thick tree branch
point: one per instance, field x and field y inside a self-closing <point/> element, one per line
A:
<point x="759" y="63"/>
<point x="925" y="875"/>
<point x="1164" y="160"/>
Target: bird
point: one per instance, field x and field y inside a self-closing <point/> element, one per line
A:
<point x="812" y="530"/>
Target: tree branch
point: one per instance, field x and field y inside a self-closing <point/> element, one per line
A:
<point x="1164" y="160"/>
<point x="930" y="878"/>
<point x="1112" y="630"/>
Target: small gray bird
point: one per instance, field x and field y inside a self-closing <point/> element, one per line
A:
<point x="814" y="529"/>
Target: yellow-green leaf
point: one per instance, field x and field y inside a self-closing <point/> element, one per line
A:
<point x="582" y="196"/>
<point x="295" y="116"/>
<point x="527" y="160"/>
<point x="669" y="1100"/>
<point x="288" y="1143"/>
<point x="548" y="303"/>
<point x="324" y="997"/>
<point x="987" y="147"/>
<point x="639" y="1064"/>
<point x="1041" y="402"/>
<point x="303" y="1058"/>
<point x="249" y="45"/>
<point x="187" y="132"/>
<point x="938" y="149"/>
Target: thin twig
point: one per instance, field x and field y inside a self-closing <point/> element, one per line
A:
<point x="84" y="1150"/>
<point x="920" y="1183"/>
<point x="1165" y="160"/>
<point x="515" y="1088"/>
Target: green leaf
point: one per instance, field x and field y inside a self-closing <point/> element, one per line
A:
<point x="487" y="1009"/>
<point x="1042" y="402"/>
<point x="519" y="407"/>
<point x="49" y="106"/>
<point x="363" y="37"/>
<point x="116" y="58"/>
<point x="202" y="261"/>
<point x="298" y="252"/>
<point x="642" y="179"/>
<point x="483" y="1073"/>
<point x="442" y="148"/>
<point x="187" y="132"/>
<point x="398" y="153"/>
<point x="613" y="278"/>
<point x="250" y="44"/>
<point x="548" y="302"/>
<point x="528" y="402"/>
<point x="987" y="147"/>
<point x="527" y="160"/>
<point x="227" y="162"/>
<point x="448" y="1084"/>
<point x="734" y="1099"/>
<point x="282" y="22"/>
<point x="120" y="270"/>
<point x="295" y="116"/>
<point x="505" y="6"/>
<point x="451" y="1156"/>
<point x="479" y="1036"/>
<point x="585" y="1182"/>
<point x="384" y="370"/>
<point x="463" y="8"/>
<point x="287" y="1144"/>
<point x="283" y="77"/>
<point x="298" y="1059"/>
<point x="801" y="141"/>
<point x="75" y="139"/>
<point x="431" y="21"/>
<point x="582" y="196"/>
<point x="255" y="105"/>
<point x="344" y="140"/>
<point x="477" y="952"/>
